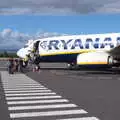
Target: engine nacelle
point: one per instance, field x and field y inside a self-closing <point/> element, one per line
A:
<point x="94" y="58"/>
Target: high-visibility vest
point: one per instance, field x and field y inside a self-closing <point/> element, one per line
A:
<point x="26" y="58"/>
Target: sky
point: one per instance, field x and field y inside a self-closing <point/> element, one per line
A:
<point x="21" y="20"/>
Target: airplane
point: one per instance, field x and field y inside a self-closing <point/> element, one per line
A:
<point x="101" y="50"/>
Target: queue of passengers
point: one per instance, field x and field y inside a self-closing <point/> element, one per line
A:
<point x="15" y="65"/>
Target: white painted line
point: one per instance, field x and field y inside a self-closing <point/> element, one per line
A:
<point x="35" y="97"/>
<point x="27" y="91"/>
<point x="82" y="118"/>
<point x="42" y="107"/>
<point x="18" y="85"/>
<point x="20" y="80"/>
<point x="37" y="101"/>
<point x="26" y="94"/>
<point x="15" y="87"/>
<point x="30" y="84"/>
<point x="27" y="83"/>
<point x="48" y="113"/>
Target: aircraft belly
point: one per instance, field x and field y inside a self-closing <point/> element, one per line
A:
<point x="59" y="58"/>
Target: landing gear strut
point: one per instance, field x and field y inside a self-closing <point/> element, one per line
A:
<point x="71" y="66"/>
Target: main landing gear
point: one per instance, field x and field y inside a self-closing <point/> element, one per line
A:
<point x="71" y="66"/>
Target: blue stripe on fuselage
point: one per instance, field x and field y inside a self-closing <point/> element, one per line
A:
<point x="59" y="58"/>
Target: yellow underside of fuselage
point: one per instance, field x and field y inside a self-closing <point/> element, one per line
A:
<point x="92" y="63"/>
<point x="66" y="52"/>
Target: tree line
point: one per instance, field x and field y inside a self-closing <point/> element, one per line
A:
<point x="8" y="54"/>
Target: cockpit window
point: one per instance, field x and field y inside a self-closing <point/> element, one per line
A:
<point x="25" y="46"/>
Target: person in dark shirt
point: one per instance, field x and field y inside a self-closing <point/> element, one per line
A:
<point x="21" y="65"/>
<point x="35" y="64"/>
<point x="10" y="66"/>
<point x="16" y="62"/>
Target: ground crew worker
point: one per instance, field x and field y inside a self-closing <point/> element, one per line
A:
<point x="25" y="60"/>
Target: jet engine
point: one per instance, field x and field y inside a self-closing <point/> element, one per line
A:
<point x="95" y="58"/>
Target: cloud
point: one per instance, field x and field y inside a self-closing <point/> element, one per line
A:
<point x="113" y="7"/>
<point x="58" y="7"/>
<point x="10" y="39"/>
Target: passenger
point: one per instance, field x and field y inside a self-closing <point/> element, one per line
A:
<point x="16" y="65"/>
<point x="33" y="67"/>
<point x="11" y="66"/>
<point x="36" y="62"/>
<point x="36" y="45"/>
<point x="36" y="68"/>
<point x="20" y="65"/>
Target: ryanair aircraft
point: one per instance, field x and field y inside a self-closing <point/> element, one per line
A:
<point x="91" y="49"/>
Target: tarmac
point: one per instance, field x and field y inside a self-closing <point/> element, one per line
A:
<point x="56" y="93"/>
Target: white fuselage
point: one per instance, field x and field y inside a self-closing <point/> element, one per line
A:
<point x="53" y="48"/>
<point x="78" y="44"/>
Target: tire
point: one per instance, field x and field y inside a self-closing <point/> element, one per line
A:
<point x="110" y="60"/>
<point x="71" y="66"/>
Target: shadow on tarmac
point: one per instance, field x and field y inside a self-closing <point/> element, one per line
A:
<point x="92" y="71"/>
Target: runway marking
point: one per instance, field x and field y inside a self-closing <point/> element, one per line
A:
<point x="21" y="82"/>
<point x="27" y="91"/>
<point x="21" y="96"/>
<point x="29" y="94"/>
<point x="35" y="97"/>
<point x="15" y="87"/>
<point x="48" y="113"/>
<point x="23" y="85"/>
<point x="83" y="118"/>
<point x="43" y="88"/>
<point x="37" y="101"/>
<point x="42" y="107"/>
<point x="10" y="83"/>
